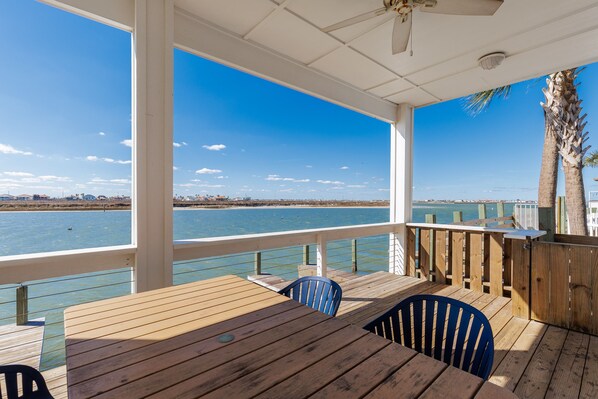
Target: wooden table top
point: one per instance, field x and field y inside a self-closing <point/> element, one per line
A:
<point x="228" y="337"/>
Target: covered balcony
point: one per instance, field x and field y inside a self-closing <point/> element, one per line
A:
<point x="540" y="297"/>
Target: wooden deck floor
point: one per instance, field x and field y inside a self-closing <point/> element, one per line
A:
<point x="532" y="359"/>
<point x="22" y="344"/>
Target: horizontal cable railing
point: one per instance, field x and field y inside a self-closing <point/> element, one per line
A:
<point x="351" y="256"/>
<point x="47" y="299"/>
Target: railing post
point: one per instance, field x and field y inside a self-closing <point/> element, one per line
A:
<point x="482" y="213"/>
<point x="306" y="255"/>
<point x="431" y="218"/>
<point x="258" y="263"/>
<point x="500" y="211"/>
<point x="22" y="305"/>
<point x="457" y="217"/>
<point x="322" y="256"/>
<point x="354" y="256"/>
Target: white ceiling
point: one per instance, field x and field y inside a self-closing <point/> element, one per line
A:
<point x="538" y="36"/>
<point x="282" y="41"/>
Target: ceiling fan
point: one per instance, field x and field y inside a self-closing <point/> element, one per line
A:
<point x="404" y="8"/>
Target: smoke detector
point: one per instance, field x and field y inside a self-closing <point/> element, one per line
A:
<point x="492" y="60"/>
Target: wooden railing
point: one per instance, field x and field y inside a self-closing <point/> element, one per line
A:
<point x="496" y="261"/>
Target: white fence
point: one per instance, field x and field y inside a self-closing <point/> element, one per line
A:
<point x="526" y="216"/>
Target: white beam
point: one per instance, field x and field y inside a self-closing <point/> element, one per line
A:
<point x="401" y="184"/>
<point x="152" y="142"/>
<point x="117" y="13"/>
<point x="16" y="269"/>
<point x="198" y="37"/>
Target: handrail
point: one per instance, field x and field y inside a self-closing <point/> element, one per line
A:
<point x="517" y="234"/>
<point x="218" y="246"/>
<point x="42" y="265"/>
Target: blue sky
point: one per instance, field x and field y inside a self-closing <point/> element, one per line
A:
<point x="65" y="127"/>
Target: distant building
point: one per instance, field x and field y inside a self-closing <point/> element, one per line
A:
<point x="6" y="197"/>
<point x="102" y="198"/>
<point x="24" y="197"/>
<point x="40" y="197"/>
<point x="89" y="197"/>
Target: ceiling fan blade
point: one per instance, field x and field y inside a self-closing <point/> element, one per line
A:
<point x="355" y="20"/>
<point x="400" y="34"/>
<point x="464" y="7"/>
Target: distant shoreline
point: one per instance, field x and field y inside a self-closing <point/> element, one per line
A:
<point x="57" y="205"/>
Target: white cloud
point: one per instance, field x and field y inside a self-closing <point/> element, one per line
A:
<point x="344" y="167"/>
<point x="356" y="186"/>
<point x="109" y="182"/>
<point x="93" y="158"/>
<point x="182" y="143"/>
<point x="175" y="168"/>
<point x="308" y="166"/>
<point x="8" y="149"/>
<point x="200" y="185"/>
<point x="127" y="142"/>
<point x="55" y="178"/>
<point x="278" y="178"/>
<point x="214" y="147"/>
<point x="221" y="177"/>
<point x="18" y="174"/>
<point x="102" y="133"/>
<point x="336" y="182"/>
<point x="383" y="189"/>
<point x="206" y="171"/>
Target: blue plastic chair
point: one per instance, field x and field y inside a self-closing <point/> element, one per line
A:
<point x="462" y="336"/>
<point x="319" y="293"/>
<point x="29" y="375"/>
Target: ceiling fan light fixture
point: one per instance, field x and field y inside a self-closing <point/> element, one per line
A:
<point x="492" y="60"/>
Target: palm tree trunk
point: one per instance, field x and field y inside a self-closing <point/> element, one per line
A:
<point x="576" y="200"/>
<point x="548" y="182"/>
<point x="563" y="116"/>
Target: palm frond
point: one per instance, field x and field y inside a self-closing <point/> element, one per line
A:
<point x="478" y="102"/>
<point x="591" y="159"/>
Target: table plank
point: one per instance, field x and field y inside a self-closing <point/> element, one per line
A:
<point x="189" y="345"/>
<point x="444" y="385"/>
<point x="112" y="303"/>
<point x="235" y="367"/>
<point x="410" y="380"/>
<point x="114" y="334"/>
<point x="311" y="379"/>
<point x="360" y="380"/>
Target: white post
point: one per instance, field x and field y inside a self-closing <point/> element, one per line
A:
<point x="322" y="254"/>
<point x="152" y="64"/>
<point x="401" y="185"/>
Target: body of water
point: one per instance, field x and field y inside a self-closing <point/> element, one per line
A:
<point x="31" y="232"/>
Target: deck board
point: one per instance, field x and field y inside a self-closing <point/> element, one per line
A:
<point x="22" y="344"/>
<point x="532" y="359"/>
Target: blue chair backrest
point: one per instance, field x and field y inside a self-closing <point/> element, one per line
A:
<point x="444" y="328"/>
<point x="29" y="375"/>
<point x="319" y="293"/>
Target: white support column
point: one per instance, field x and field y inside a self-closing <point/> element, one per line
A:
<point x="401" y="185"/>
<point x="152" y="64"/>
<point x="322" y="257"/>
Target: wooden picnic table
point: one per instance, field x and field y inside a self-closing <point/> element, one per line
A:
<point x="230" y="338"/>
